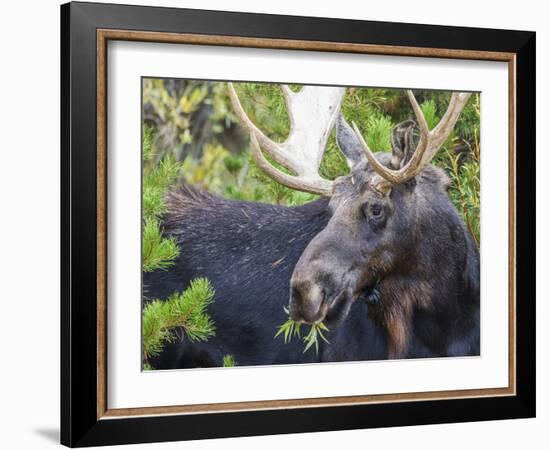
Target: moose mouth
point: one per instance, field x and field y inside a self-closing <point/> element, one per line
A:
<point x="332" y="309"/>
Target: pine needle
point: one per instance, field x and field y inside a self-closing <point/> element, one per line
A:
<point x="182" y="310"/>
<point x="290" y="329"/>
<point x="157" y="252"/>
<point x="229" y="361"/>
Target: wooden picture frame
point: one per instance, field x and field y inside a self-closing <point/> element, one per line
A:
<point x="85" y="416"/>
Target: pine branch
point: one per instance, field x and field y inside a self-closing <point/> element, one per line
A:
<point x="182" y="310"/>
<point x="157" y="252"/>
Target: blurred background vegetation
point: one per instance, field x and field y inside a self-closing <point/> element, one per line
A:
<point x="191" y="125"/>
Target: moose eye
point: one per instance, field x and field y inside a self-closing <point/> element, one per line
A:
<point x="376" y="210"/>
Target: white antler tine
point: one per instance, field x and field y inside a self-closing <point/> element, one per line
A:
<point x="312" y="113"/>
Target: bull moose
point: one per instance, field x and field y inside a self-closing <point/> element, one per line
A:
<point x="382" y="258"/>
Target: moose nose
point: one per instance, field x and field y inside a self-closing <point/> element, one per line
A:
<point x="306" y="302"/>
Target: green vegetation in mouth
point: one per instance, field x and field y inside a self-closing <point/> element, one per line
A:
<point x="290" y="328"/>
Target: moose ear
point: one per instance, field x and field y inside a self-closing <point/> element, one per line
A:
<point x="348" y="143"/>
<point x="402" y="143"/>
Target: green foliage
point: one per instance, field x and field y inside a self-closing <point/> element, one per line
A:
<point x="462" y="167"/>
<point x="185" y="311"/>
<point x="173" y="107"/>
<point x="312" y="338"/>
<point x="429" y="109"/>
<point x="233" y="163"/>
<point x="466" y="193"/>
<point x="379" y="129"/>
<point x="157" y="252"/>
<point x="209" y="171"/>
<point x="266" y="106"/>
<point x="290" y="329"/>
<point x="229" y="361"/>
<point x="155" y="184"/>
<point x="333" y="164"/>
<point x="147" y="151"/>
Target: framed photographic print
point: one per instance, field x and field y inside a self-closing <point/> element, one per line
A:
<point x="277" y="224"/>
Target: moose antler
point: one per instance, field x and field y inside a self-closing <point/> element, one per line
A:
<point x="427" y="147"/>
<point x="312" y="113"/>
